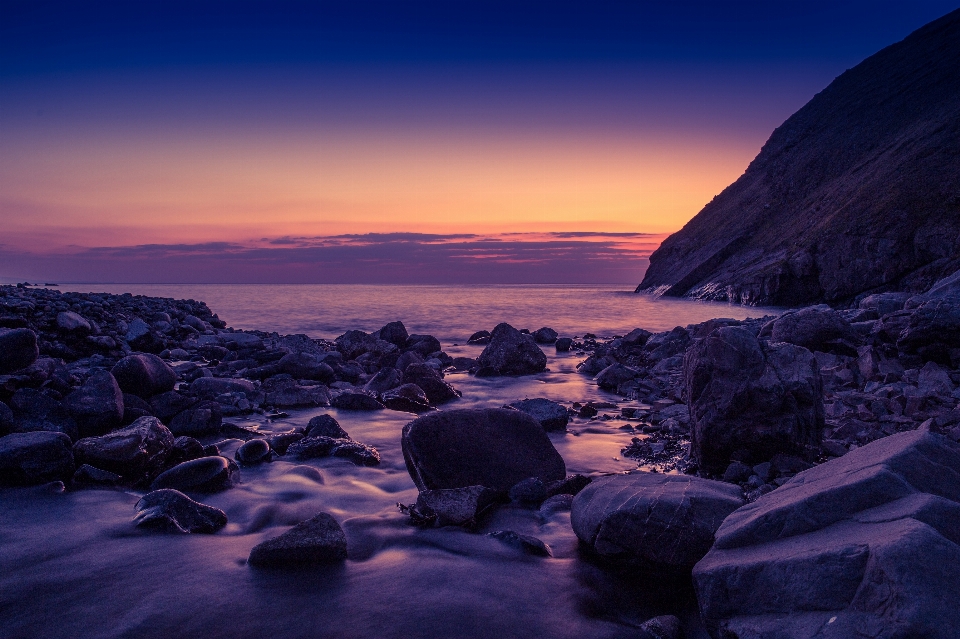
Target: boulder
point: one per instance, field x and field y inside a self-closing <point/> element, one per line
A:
<point x="170" y="510"/>
<point x="253" y="452"/>
<point x="865" y="545"/>
<point x="35" y="410"/>
<point x="356" y="401"/>
<point x="210" y="387"/>
<point x="319" y="446"/>
<point x="563" y="344"/>
<point x="654" y="521"/>
<point x="408" y="398"/>
<point x="636" y="337"/>
<point x="491" y="447"/>
<point x="97" y="406"/>
<point x="134" y="408"/>
<point x="144" y="375"/>
<point x="453" y="506"/>
<point x="544" y="335"/>
<point x="325" y="426"/>
<point x="203" y="419"/>
<point x="395" y="333"/>
<point x="422" y="344"/>
<point x="353" y="344"/>
<point x="884" y="303"/>
<point x="479" y="338"/>
<point x="306" y="366"/>
<point x="140" y="450"/>
<point x="430" y="381"/>
<point x="70" y="322"/>
<point x="318" y="540"/>
<point x="612" y="376"/>
<point x="510" y="352"/>
<point x="297" y="396"/>
<point x="35" y="458"/>
<point x="166" y="406"/>
<point x="933" y="329"/>
<point x="550" y="414"/>
<point x="752" y="398"/>
<point x="18" y="349"/>
<point x="817" y="328"/>
<point x="204" y="475"/>
<point x="385" y="379"/>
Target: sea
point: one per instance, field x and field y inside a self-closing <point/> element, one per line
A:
<point x="73" y="565"/>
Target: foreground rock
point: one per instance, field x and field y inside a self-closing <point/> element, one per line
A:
<point x="319" y="540"/>
<point x="655" y="521"/>
<point x="511" y="352"/>
<point x="35" y="458"/>
<point x="492" y="447"/>
<point x="172" y="511"/>
<point x="750" y="398"/>
<point x="97" y="406"/>
<point x="136" y="452"/>
<point x="204" y="475"/>
<point x="18" y="349"/>
<point x="861" y="546"/>
<point x="453" y="506"/>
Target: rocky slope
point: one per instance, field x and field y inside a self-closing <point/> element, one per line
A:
<point x="857" y="192"/>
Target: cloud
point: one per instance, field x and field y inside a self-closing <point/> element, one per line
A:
<point x="376" y="258"/>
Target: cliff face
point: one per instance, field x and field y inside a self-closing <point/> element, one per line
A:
<point x="857" y="192"/>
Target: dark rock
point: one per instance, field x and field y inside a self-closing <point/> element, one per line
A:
<point x="384" y="380"/>
<point x="255" y="451"/>
<point x="667" y="344"/>
<point x="479" y="338"/>
<point x="550" y="414"/>
<point x="34" y="410"/>
<point x="97" y="406"/>
<point x="862" y="545"/>
<point x="528" y="491"/>
<point x="563" y="344"/>
<point x="662" y="627"/>
<point x="395" y="333"/>
<point x="572" y="485"/>
<point x="352" y="344"/>
<point x="408" y="398"/>
<point x="854" y="192"/>
<point x="297" y="396"/>
<point x="408" y="358"/>
<point x="184" y="449"/>
<point x="652" y="520"/>
<point x="203" y="475"/>
<point x="636" y="337"/>
<point x="134" y="408"/>
<point x="556" y="504"/>
<point x="743" y="395"/>
<point x="316" y="541"/>
<point x="884" y="303"/>
<point x="87" y="475"/>
<point x="453" y="506"/>
<point x="737" y="473"/>
<point x="356" y="401"/>
<point x="325" y="426"/>
<point x="140" y="450"/>
<point x="492" y="447"/>
<point x="318" y="447"/>
<point x="933" y="329"/>
<point x="282" y="441"/>
<point x="6" y="419"/>
<point x="423" y="344"/>
<point x="612" y="376"/>
<point x="28" y="459"/>
<point x="210" y="387"/>
<point x="525" y="543"/>
<point x="171" y="511"/>
<point x="512" y="353"/>
<point x="18" y="349"/>
<point x="166" y="406"/>
<point x="306" y="366"/>
<point x="815" y="328"/>
<point x="544" y="335"/>
<point x="203" y="419"/>
<point x="144" y="375"/>
<point x="431" y="383"/>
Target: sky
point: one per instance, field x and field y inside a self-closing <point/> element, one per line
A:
<point x="433" y="142"/>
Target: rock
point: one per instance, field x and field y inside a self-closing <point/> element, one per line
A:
<point x="87" y="475"/>
<point x="184" y="449"/>
<point x="423" y="344"/>
<point x="612" y="376"/>
<point x="97" y="406"/>
<point x="884" y="303"/>
<point x="18" y="349"/>
<point x="71" y="322"/>
<point x="138" y="451"/>
<point x="297" y="396"/>
<point x="933" y="329"/>
<point x="655" y="521"/>
<point x="6" y="419"/>
<point x="356" y="401"/>
<point x="744" y="396"/>
<point x="524" y="543"/>
<point x="491" y="447"/>
<point x="512" y="353"/>
<point x="171" y="511"/>
<point x="34" y="410"/>
<point x="933" y="380"/>
<point x="203" y="475"/>
<point x="571" y="485"/>
<point x="210" y="387"/>
<point x="352" y="344"/>
<point x="166" y="406"/>
<point x="318" y="540"/>
<point x="544" y="335"/>
<point x="431" y="383"/>
<point x="550" y="414"/>
<point x="862" y="545"/>
<point x="318" y="447"/>
<point x="815" y="328"/>
<point x="667" y="344"/>
<point x="563" y="344"/>
<point x="255" y="451"/>
<point x="528" y="491"/>
<point x="306" y="366"/>
<point x="479" y="338"/>
<point x="325" y="426"/>
<point x="205" y="418"/>
<point x="144" y="375"/>
<point x="737" y="473"/>
<point x="395" y="333"/>
<point x="39" y="457"/>
<point x="384" y="380"/>
<point x="662" y="627"/>
<point x="408" y="398"/>
<point x="135" y="408"/>
<point x="636" y="337"/>
<point x="237" y="339"/>
<point x="454" y="506"/>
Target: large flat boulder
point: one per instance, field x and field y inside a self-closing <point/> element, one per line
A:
<point x="865" y="545"/>
<point x="652" y="520"/>
<point x="492" y="447"/>
<point x="752" y="398"/>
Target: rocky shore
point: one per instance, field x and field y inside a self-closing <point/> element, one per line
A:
<point x="803" y="469"/>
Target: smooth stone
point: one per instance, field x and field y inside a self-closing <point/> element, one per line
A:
<point x="170" y="510"/>
<point x="550" y="414"/>
<point x="255" y="451"/>
<point x="325" y="426"/>
<point x="166" y="406"/>
<point x="528" y="491"/>
<point x="431" y="383"/>
<point x="318" y="540"/>
<point x="144" y="375"/>
<point x="28" y="459"/>
<point x="299" y="396"/>
<point x="395" y="333"/>
<point x="203" y="475"/>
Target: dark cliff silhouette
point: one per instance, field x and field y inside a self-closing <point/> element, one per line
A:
<point x="857" y="192"/>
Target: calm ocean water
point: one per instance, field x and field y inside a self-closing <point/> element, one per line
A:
<point x="73" y="565"/>
<point x="451" y="313"/>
